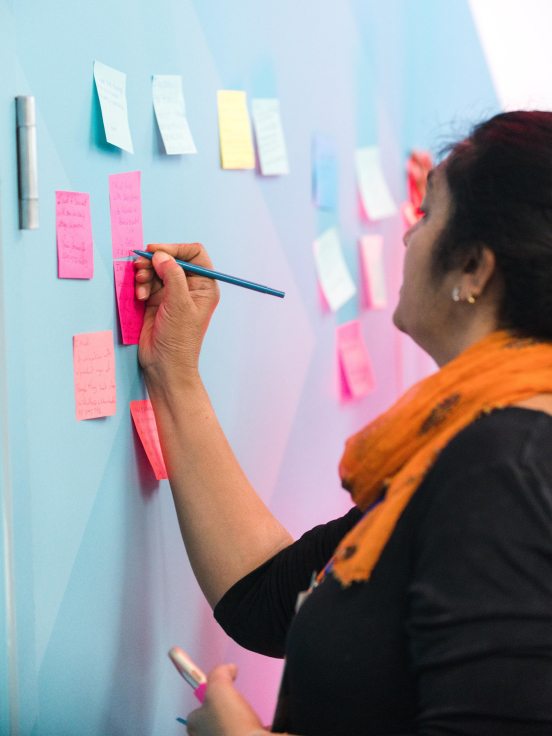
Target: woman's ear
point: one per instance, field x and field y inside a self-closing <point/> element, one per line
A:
<point x="478" y="271"/>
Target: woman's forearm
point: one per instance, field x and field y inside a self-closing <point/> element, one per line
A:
<point x="227" y="529"/>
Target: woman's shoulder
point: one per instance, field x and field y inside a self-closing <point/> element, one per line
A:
<point x="499" y="464"/>
<point x="515" y="435"/>
<point x="494" y="478"/>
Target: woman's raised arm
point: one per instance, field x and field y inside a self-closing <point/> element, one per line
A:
<point x="227" y="529"/>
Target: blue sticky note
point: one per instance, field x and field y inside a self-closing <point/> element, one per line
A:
<point x="324" y="171"/>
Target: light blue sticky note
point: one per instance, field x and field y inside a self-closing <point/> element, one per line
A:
<point x="324" y="171"/>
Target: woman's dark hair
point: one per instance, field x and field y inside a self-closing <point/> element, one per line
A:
<point x="500" y="179"/>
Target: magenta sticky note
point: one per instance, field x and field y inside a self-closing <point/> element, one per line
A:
<point x="131" y="310"/>
<point x="74" y="236"/>
<point x="125" y="203"/>
<point x="354" y="359"/>
<point x="144" y="420"/>
<point x="94" y="368"/>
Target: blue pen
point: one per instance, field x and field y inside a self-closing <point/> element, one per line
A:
<point x="219" y="276"/>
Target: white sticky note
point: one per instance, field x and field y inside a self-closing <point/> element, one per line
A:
<point x="376" y="197"/>
<point x="371" y="256"/>
<point x="111" y="86"/>
<point x="333" y="274"/>
<point x="170" y="111"/>
<point x="271" y="144"/>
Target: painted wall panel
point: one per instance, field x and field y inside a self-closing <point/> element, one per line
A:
<point x="103" y="584"/>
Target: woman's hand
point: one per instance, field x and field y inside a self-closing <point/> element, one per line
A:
<point x="225" y="712"/>
<point x="178" y="310"/>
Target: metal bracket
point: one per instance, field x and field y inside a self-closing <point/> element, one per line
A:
<point x="27" y="163"/>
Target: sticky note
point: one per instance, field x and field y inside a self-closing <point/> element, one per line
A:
<point x="94" y="368"/>
<point x="269" y="133"/>
<point x="170" y="111"/>
<point x="144" y="420"/>
<point x="371" y="256"/>
<point x="74" y="236"/>
<point x="236" y="144"/>
<point x="125" y="204"/>
<point x="374" y="192"/>
<point x="131" y="309"/>
<point x="333" y="274"/>
<point x="324" y="171"/>
<point x="354" y="359"/>
<point x="409" y="213"/>
<point x="111" y="86"/>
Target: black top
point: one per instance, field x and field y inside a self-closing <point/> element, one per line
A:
<point x="452" y="633"/>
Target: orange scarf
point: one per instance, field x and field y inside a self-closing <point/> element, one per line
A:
<point x="393" y="454"/>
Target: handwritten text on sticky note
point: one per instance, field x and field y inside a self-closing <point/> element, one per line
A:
<point x="74" y="236"/>
<point x="374" y="192"/>
<point x="125" y="204"/>
<point x="236" y="144"/>
<point x="371" y="256"/>
<point x="170" y="111"/>
<point x="131" y="310"/>
<point x="333" y="274"/>
<point x="111" y="86"/>
<point x="94" y="368"/>
<point x="271" y="144"/>
<point x="144" y="420"/>
<point x="324" y="171"/>
<point x="354" y="359"/>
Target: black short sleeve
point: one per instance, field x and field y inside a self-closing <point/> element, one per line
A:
<point x="256" y="612"/>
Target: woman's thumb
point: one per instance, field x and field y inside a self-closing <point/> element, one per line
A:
<point x="171" y="274"/>
<point x="223" y="673"/>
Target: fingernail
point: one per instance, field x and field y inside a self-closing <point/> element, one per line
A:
<point x="141" y="292"/>
<point x="161" y="256"/>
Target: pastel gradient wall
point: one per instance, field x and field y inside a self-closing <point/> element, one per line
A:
<point x="96" y="586"/>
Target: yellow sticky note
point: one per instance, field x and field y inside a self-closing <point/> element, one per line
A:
<point x="236" y="143"/>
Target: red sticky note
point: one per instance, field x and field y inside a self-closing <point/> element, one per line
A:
<point x="94" y="367"/>
<point x="371" y="255"/>
<point x="125" y="203"/>
<point x="144" y="420"/>
<point x="131" y="309"/>
<point x="354" y="359"/>
<point x="74" y="236"/>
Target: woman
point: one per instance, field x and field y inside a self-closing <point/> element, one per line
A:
<point x="434" y="615"/>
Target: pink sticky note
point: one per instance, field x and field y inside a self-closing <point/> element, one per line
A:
<point x="144" y="419"/>
<point x="74" y="236"/>
<point x="354" y="359"/>
<point x="371" y="255"/>
<point x="131" y="310"/>
<point x="409" y="213"/>
<point x="94" y="367"/>
<point x="125" y="203"/>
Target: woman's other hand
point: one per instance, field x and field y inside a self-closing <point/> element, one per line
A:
<point x="225" y="712"/>
<point x="178" y="310"/>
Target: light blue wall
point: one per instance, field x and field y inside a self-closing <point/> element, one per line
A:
<point x="103" y="584"/>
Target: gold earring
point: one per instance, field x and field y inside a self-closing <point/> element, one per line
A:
<point x="456" y="294"/>
<point x="471" y="298"/>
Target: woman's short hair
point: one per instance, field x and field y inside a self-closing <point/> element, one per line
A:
<point x="500" y="179"/>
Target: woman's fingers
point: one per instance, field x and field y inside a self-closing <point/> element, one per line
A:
<point x="144" y="275"/>
<point x="148" y="283"/>
<point x="146" y="279"/>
